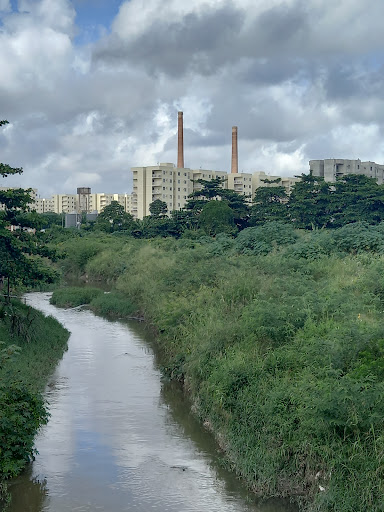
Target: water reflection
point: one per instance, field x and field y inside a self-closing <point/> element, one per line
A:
<point x="116" y="440"/>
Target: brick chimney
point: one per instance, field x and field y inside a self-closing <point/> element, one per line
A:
<point x="180" y="141"/>
<point x="234" y="164"/>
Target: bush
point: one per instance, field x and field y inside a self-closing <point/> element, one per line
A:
<point x="21" y="414"/>
<point x="112" y="304"/>
<point x="263" y="239"/>
<point x="359" y="237"/>
<point x="74" y="296"/>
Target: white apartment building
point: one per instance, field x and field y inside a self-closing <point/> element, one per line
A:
<point x="167" y="183"/>
<point x="173" y="185"/>
<point x="241" y="183"/>
<point x="259" y="177"/>
<point x="332" y="168"/>
<point x="69" y="203"/>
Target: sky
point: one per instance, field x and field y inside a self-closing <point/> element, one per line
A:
<point x="92" y="88"/>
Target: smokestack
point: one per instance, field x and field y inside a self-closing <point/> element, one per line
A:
<point x="180" y="141"/>
<point x="234" y="164"/>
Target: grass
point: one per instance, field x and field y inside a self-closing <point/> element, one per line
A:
<point x="281" y="353"/>
<point x="31" y="346"/>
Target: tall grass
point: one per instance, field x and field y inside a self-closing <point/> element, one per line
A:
<point x="31" y="345"/>
<point x="281" y="352"/>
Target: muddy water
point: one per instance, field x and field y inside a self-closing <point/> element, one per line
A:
<point x="118" y="440"/>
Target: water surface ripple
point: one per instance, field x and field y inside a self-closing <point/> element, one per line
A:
<point x="118" y="440"/>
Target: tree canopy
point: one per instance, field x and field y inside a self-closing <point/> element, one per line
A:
<point x="114" y="218"/>
<point x="21" y="252"/>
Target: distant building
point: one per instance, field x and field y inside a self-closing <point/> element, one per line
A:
<point x="332" y="168"/>
<point x="167" y="183"/>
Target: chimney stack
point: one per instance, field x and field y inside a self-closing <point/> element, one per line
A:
<point x="234" y="164"/>
<point x="180" y="141"/>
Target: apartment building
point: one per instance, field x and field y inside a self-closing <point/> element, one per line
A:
<point x="259" y="179"/>
<point x="332" y="168"/>
<point x="241" y="183"/>
<point x="167" y="183"/>
<point x="173" y="185"/>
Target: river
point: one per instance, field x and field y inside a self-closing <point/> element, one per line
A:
<point x="118" y="439"/>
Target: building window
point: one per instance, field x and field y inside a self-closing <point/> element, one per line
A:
<point x="178" y="173"/>
<point x="178" y="189"/>
<point x="163" y="172"/>
<point x="178" y="181"/>
<point x="163" y="180"/>
<point x="163" y="188"/>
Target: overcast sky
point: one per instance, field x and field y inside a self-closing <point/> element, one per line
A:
<point x="92" y="88"/>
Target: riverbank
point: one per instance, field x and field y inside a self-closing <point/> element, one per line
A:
<point x="282" y="355"/>
<point x="31" y="346"/>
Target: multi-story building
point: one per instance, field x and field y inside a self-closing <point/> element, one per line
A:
<point x="83" y="201"/>
<point x="260" y="179"/>
<point x="173" y="185"/>
<point x="167" y="183"/>
<point x="241" y="183"/>
<point x="332" y="168"/>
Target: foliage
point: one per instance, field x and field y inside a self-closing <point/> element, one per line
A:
<point x="310" y="202"/>
<point x="32" y="345"/>
<point x="357" y="198"/>
<point x="216" y="217"/>
<point x="278" y="337"/>
<point x="114" y="218"/>
<point x="21" y="252"/>
<point x="269" y="204"/>
<point x="158" y="208"/>
<point x="21" y="414"/>
<point x="74" y="296"/>
<point x="113" y="305"/>
<point x="261" y="240"/>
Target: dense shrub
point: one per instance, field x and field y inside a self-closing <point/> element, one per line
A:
<point x="281" y="353"/>
<point x="359" y="237"/>
<point x="74" y="296"/>
<point x="263" y="239"/>
<point x="113" y="305"/>
<point x="21" y="414"/>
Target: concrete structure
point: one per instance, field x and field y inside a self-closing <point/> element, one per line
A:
<point x="84" y="200"/>
<point x="332" y="168"/>
<point x="241" y="183"/>
<point x="180" y="141"/>
<point x="167" y="183"/>
<point x="235" y="156"/>
<point x="173" y="186"/>
<point x="259" y="180"/>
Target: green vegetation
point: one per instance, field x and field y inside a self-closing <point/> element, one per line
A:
<point x="30" y="344"/>
<point x="74" y="296"/>
<point x="278" y="337"/>
<point x="111" y="304"/>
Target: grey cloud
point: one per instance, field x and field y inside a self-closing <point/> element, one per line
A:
<point x="177" y="47"/>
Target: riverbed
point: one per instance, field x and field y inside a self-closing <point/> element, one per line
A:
<point x="119" y="439"/>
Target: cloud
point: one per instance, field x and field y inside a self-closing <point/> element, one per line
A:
<point x="301" y="80"/>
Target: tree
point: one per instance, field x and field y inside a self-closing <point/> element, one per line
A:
<point x="213" y="190"/>
<point x="114" y="218"/>
<point x="21" y="252"/>
<point x="357" y="198"/>
<point x="309" y="204"/>
<point x="158" y="208"/>
<point x="216" y="217"/>
<point x="269" y="204"/>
